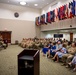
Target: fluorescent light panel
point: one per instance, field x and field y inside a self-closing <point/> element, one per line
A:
<point x="23" y="3"/>
<point x="35" y="4"/>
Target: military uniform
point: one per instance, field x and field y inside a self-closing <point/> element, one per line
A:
<point x="66" y="58"/>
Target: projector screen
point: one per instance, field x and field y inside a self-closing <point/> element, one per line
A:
<point x="58" y="35"/>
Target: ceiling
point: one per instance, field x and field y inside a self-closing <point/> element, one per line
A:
<point x="29" y="3"/>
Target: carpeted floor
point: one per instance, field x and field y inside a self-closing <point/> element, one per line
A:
<point x="8" y="63"/>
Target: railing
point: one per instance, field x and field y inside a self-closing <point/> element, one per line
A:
<point x="63" y="24"/>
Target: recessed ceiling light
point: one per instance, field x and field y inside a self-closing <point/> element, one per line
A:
<point x="35" y="4"/>
<point x="23" y="3"/>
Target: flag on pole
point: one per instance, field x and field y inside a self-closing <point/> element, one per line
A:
<point x="48" y="17"/>
<point x="75" y="7"/>
<point x="52" y="16"/>
<point x="37" y="21"/>
<point x="42" y="19"/>
<point x="65" y="11"/>
<point x="71" y="9"/>
<point x="59" y="13"/>
<point x="55" y="12"/>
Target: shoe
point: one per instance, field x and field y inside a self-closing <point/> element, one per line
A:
<point x="53" y="59"/>
<point x="67" y="66"/>
<point x="56" y="61"/>
<point x="74" y="70"/>
<point x="63" y="64"/>
<point x="49" y="56"/>
<point x="44" y="55"/>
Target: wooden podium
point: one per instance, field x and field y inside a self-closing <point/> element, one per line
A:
<point x="29" y="62"/>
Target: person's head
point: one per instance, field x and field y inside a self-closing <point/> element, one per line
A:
<point x="53" y="43"/>
<point x="54" y="39"/>
<point x="45" y="45"/>
<point x="73" y="44"/>
<point x="50" y="42"/>
<point x="64" y="45"/>
<point x="69" y="43"/>
<point x="59" y="42"/>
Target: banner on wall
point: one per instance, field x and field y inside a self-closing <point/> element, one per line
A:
<point x="63" y="12"/>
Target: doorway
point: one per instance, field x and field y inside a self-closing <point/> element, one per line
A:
<point x="71" y="36"/>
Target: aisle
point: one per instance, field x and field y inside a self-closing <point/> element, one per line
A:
<point x="8" y="63"/>
<point x="49" y="67"/>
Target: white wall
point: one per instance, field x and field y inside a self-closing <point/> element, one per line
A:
<point x="21" y="27"/>
<point x="66" y="34"/>
<point x="7" y="11"/>
<point x="50" y="34"/>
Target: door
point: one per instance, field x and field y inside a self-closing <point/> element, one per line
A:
<point x="71" y="36"/>
<point x="6" y="35"/>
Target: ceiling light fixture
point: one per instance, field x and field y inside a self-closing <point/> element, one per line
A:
<point x="23" y="3"/>
<point x="35" y="4"/>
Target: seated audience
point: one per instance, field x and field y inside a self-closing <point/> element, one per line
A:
<point x="60" y="53"/>
<point x="66" y="58"/>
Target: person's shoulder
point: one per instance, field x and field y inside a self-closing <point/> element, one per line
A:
<point x="60" y="45"/>
<point x="75" y="47"/>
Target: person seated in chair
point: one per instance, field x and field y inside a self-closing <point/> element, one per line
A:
<point x="73" y="63"/>
<point x="2" y="44"/>
<point x="46" y="48"/>
<point x="66" y="58"/>
<point x="52" y="51"/>
<point x="60" y="53"/>
<point x="1" y="38"/>
<point x="58" y="47"/>
<point x="6" y="42"/>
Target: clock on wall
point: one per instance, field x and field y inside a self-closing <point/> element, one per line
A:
<point x="16" y="14"/>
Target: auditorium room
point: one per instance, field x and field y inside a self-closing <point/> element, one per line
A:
<point x="37" y="37"/>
